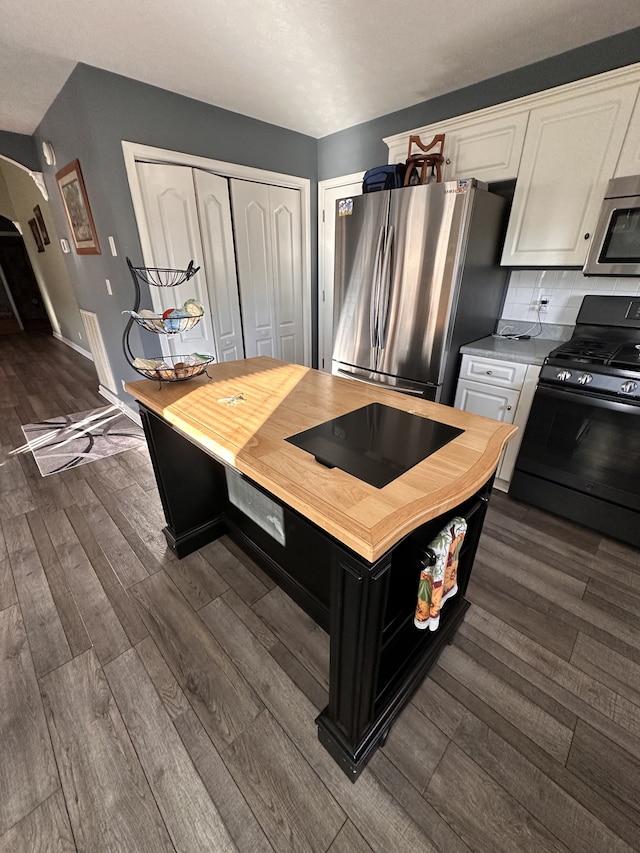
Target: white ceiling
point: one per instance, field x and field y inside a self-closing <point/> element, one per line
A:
<point x="315" y="66"/>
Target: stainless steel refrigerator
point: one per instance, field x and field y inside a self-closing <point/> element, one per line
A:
<point x="417" y="275"/>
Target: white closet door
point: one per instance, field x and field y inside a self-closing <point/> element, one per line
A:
<point x="268" y="234"/>
<point x="214" y="210"/>
<point x="174" y="235"/>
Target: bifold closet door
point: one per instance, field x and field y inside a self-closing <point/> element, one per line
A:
<point x="214" y="211"/>
<point x="173" y="231"/>
<point x="268" y="239"/>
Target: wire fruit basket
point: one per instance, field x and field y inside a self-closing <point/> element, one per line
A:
<point x="173" y="325"/>
<point x="173" y="368"/>
<point x="174" y="321"/>
<point x="163" y="276"/>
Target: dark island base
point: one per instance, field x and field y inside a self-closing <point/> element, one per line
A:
<point x="354" y="760"/>
<point x="378" y="658"/>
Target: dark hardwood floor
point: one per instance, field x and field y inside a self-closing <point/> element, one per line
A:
<point x="153" y="704"/>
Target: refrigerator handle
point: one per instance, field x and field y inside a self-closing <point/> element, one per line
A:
<point x="375" y="290"/>
<point x="385" y="290"/>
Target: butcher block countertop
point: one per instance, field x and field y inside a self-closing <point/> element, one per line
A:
<point x="244" y="413"/>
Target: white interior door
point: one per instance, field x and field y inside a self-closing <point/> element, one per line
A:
<point x="174" y="236"/>
<point x="214" y="210"/>
<point x="328" y="194"/>
<point x="268" y="236"/>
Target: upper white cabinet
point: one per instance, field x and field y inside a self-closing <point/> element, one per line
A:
<point x="570" y="152"/>
<point x="563" y="145"/>
<point x="483" y="147"/>
<point x="629" y="160"/>
<point x="489" y="150"/>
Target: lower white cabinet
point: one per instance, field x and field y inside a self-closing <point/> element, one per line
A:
<point x="481" y="399"/>
<point x="502" y="390"/>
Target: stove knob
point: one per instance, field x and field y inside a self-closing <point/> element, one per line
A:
<point x="628" y="387"/>
<point x="563" y="375"/>
<point x="585" y="378"/>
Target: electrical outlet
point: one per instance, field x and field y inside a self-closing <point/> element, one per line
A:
<point x="543" y="301"/>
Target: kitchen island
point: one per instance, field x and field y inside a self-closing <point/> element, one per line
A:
<point x="347" y="547"/>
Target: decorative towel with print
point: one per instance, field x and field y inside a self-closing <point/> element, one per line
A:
<point x="439" y="581"/>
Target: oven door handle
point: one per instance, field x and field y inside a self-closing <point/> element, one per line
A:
<point x="589" y="398"/>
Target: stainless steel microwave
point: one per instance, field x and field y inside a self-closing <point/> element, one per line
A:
<point x="615" y="244"/>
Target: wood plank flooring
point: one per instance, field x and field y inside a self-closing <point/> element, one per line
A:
<point x="149" y="703"/>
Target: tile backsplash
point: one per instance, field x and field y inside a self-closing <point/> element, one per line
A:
<point x="563" y="288"/>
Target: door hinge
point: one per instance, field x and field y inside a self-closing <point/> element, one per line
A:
<point x="323" y="215"/>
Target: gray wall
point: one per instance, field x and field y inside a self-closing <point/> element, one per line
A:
<point x="18" y="147"/>
<point x="361" y="147"/>
<point x="91" y="116"/>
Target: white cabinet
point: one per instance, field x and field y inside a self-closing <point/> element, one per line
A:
<point x="483" y="147"/>
<point x="570" y="152"/>
<point x="489" y="150"/>
<point x="629" y="159"/>
<point x="563" y="145"/>
<point x="502" y="390"/>
<point x="497" y="403"/>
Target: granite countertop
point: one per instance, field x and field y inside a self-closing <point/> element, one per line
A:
<point x="533" y="351"/>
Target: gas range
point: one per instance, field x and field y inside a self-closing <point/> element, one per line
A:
<point x="580" y="457"/>
<point x="603" y="356"/>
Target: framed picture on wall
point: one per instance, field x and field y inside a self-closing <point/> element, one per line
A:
<point x="76" y="206"/>
<point x="41" y="226"/>
<point x="36" y="234"/>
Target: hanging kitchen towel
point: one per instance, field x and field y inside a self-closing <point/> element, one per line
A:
<point x="439" y="581"/>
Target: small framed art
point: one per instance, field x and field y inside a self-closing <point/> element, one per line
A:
<point x="76" y="206"/>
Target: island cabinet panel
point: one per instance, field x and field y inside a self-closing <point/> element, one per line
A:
<point x="401" y="640"/>
<point x="378" y="656"/>
<point x="301" y="566"/>
<point x="191" y="485"/>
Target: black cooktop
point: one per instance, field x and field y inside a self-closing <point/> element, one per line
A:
<point x="376" y="443"/>
<point x="625" y="355"/>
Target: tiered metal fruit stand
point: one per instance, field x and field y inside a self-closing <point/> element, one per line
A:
<point x="167" y="368"/>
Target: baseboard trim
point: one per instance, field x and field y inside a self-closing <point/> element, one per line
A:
<point x="133" y="414"/>
<point x="71" y="344"/>
<point x="102" y="389"/>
